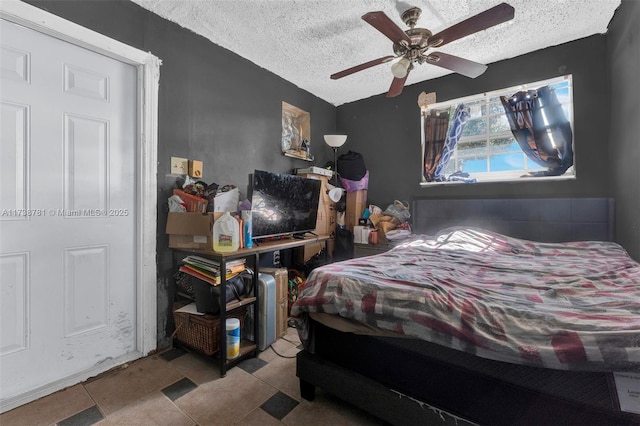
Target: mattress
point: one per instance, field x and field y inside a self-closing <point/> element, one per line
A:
<point x="552" y="305"/>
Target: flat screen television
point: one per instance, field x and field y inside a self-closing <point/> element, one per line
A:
<point x="283" y="204"/>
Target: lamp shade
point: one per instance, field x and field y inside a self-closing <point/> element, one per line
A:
<point x="335" y="194"/>
<point x="335" y="141"/>
<point x="400" y="68"/>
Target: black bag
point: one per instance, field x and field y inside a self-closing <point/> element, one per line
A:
<point x="208" y="296"/>
<point x="343" y="248"/>
<point x="351" y="166"/>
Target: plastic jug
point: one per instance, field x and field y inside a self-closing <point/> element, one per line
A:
<point x="226" y="234"/>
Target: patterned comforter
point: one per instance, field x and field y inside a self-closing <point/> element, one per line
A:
<point x="554" y="305"/>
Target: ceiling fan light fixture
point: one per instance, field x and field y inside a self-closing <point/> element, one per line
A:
<point x="400" y="68"/>
<point x="410" y="46"/>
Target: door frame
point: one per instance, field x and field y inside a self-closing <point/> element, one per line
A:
<point x="148" y="75"/>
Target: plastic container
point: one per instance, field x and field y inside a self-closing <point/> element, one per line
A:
<point x="226" y="234"/>
<point x="246" y="218"/>
<point x="233" y="338"/>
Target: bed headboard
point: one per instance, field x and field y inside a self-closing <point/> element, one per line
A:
<point x="538" y="219"/>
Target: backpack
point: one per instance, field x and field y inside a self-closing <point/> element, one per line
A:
<point x="351" y="166"/>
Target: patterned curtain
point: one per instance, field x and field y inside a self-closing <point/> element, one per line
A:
<point x="460" y="118"/>
<point x="435" y="134"/>
<point x="439" y="146"/>
<point x="541" y="129"/>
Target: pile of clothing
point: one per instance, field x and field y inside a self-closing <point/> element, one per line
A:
<point x="392" y="224"/>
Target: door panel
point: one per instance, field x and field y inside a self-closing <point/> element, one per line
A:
<point x="13" y="151"/>
<point x="14" y="268"/>
<point x="67" y="219"/>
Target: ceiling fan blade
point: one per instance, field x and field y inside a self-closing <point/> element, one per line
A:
<point x="494" y="16"/>
<point x="396" y="86"/>
<point x="361" y="67"/>
<point x="455" y="63"/>
<point x="386" y="26"/>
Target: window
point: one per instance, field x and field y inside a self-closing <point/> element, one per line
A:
<point x="487" y="150"/>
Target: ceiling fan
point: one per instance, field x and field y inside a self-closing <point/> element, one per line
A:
<point x="411" y="46"/>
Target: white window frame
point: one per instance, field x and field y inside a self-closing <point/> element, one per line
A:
<point x="498" y="176"/>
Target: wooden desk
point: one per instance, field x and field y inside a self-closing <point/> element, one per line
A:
<point x="263" y="247"/>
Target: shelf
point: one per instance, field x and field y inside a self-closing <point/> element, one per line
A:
<point x="246" y="348"/>
<point x="235" y="304"/>
<point x="260" y="247"/>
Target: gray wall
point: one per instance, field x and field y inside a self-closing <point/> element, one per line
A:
<point x="623" y="59"/>
<point x="387" y="130"/>
<point x="214" y="106"/>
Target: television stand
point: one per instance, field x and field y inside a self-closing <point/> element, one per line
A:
<point x="302" y="235"/>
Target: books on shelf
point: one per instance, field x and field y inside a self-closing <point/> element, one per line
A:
<point x="213" y="280"/>
<point x="209" y="270"/>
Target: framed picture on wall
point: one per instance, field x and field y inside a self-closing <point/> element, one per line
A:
<point x="296" y="132"/>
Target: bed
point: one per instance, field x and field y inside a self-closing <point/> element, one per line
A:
<point x="515" y="311"/>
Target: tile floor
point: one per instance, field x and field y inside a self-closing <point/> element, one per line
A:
<point x="178" y="388"/>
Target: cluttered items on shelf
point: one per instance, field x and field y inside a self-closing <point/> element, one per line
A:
<point x="200" y="197"/>
<point x="209" y="270"/>
<point x="377" y="226"/>
<point x="280" y="206"/>
<point x="199" y="278"/>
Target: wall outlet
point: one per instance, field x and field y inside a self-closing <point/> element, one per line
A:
<point x="179" y="166"/>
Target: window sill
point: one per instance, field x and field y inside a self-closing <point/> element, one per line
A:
<point x="503" y="180"/>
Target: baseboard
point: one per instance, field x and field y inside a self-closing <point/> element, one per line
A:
<point x="10" y="403"/>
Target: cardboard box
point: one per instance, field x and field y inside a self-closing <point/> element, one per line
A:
<point x="325" y="223"/>
<point x="356" y="203"/>
<point x="281" y="275"/>
<point x="191" y="230"/>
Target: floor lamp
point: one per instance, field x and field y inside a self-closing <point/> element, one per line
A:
<point x="335" y="142"/>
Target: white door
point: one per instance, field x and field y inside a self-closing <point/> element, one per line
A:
<point x="67" y="219"/>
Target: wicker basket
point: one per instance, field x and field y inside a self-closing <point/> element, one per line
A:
<point x="202" y="332"/>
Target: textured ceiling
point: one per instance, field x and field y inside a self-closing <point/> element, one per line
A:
<point x="305" y="41"/>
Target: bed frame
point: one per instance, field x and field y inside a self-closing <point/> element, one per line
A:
<point x="538" y="219"/>
<point x="406" y="381"/>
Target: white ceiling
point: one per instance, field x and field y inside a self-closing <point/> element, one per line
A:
<point x="305" y="41"/>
